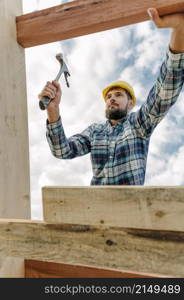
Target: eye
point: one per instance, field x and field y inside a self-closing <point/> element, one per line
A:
<point x="118" y="94"/>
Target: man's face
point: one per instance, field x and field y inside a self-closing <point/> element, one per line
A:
<point x="117" y="104"/>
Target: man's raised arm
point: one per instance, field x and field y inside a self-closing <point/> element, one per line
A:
<point x="170" y="80"/>
<point x="61" y="146"/>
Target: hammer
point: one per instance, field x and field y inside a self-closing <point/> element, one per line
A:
<point x="44" y="102"/>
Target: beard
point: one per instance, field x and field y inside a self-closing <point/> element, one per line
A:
<point x="115" y="114"/>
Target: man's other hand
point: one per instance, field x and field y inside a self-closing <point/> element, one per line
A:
<point x="175" y="20"/>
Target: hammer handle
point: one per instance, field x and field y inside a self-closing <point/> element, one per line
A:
<point x="44" y="102"/>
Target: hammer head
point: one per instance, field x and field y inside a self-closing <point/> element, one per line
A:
<point x="63" y="68"/>
<point x="59" y="57"/>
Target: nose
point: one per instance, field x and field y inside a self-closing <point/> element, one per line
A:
<point x="112" y="101"/>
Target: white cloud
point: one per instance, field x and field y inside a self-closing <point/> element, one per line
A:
<point x="30" y="6"/>
<point x="169" y="172"/>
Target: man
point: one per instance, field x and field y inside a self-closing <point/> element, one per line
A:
<point x="119" y="147"/>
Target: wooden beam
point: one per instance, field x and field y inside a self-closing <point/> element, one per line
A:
<point x="47" y="269"/>
<point x="137" y="250"/>
<point x="14" y="144"/>
<point x="81" y="17"/>
<point x="131" y="206"/>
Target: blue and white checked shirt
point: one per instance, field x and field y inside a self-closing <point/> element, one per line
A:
<point x="119" y="153"/>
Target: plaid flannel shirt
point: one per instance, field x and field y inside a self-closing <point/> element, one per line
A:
<point x="119" y="153"/>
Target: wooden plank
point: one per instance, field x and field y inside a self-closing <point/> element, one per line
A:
<point x="12" y="267"/>
<point x="81" y="17"/>
<point x="130" y="206"/>
<point x="140" y="250"/>
<point x="14" y="144"/>
<point x="47" y="269"/>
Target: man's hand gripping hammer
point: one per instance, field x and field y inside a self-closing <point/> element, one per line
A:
<point x="44" y="102"/>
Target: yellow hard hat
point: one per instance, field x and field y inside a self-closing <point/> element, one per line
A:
<point x="124" y="85"/>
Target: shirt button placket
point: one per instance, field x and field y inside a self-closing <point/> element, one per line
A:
<point x="111" y="156"/>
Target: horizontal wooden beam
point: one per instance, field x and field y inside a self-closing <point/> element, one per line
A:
<point x="81" y="17"/>
<point x="140" y="250"/>
<point x="47" y="269"/>
<point x="131" y="206"/>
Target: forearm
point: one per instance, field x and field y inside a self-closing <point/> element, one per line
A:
<point x="53" y="113"/>
<point x="169" y="84"/>
<point x="177" y="40"/>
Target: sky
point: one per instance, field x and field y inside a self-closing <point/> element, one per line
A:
<point x="133" y="53"/>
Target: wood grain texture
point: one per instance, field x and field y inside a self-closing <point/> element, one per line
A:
<point x="14" y="143"/>
<point x="130" y="206"/>
<point x="12" y="267"/>
<point x="139" y="250"/>
<point x="82" y="17"/>
<point x="47" y="269"/>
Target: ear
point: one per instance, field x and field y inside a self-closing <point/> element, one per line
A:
<point x="130" y="104"/>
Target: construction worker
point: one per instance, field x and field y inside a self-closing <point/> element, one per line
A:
<point x="119" y="146"/>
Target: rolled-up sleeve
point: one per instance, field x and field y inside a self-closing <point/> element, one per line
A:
<point x="163" y="94"/>
<point x="67" y="148"/>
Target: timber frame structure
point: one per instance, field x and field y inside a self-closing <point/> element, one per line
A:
<point x="87" y="231"/>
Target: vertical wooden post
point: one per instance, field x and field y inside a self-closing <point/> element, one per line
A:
<point x="14" y="149"/>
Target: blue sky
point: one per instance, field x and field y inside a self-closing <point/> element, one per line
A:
<point x="133" y="53"/>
